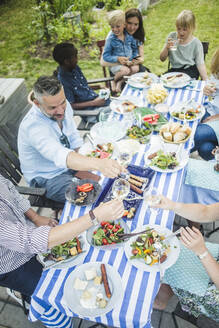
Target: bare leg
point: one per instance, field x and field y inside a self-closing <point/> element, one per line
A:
<point x="134" y="69"/>
<point x="123" y="71"/>
<point x="164" y="295"/>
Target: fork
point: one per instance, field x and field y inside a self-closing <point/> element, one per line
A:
<point x="129" y="235"/>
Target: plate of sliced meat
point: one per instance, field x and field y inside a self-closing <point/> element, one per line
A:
<point x="175" y="80"/>
<point x="93" y="289"/>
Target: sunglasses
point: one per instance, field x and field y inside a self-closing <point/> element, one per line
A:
<point x="64" y="141"/>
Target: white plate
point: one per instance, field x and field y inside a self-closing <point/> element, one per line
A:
<point x="183" y="157"/>
<point x="172" y="255"/>
<point x="72" y="296"/>
<point x="178" y="106"/>
<point x="132" y="146"/>
<point x="177" y="82"/>
<point x="108" y="131"/>
<point x="90" y="231"/>
<point x="72" y="261"/>
<point x="135" y="80"/>
<point x="87" y="148"/>
<point x="117" y="107"/>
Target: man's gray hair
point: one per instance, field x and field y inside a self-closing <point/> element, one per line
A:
<point x="46" y="86"/>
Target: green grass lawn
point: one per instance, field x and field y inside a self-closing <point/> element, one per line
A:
<point x="16" y="46"/>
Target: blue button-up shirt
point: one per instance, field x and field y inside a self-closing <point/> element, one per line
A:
<point x="40" y="151"/>
<point x="75" y="86"/>
<point x="115" y="47"/>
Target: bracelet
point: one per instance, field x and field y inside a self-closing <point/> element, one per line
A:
<point x="202" y="256"/>
<point x="93" y="218"/>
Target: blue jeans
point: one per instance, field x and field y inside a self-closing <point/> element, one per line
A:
<point x="205" y="141"/>
<point x="55" y="187"/>
<point x="23" y="279"/>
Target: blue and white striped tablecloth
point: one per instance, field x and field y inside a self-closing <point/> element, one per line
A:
<point x="140" y="287"/>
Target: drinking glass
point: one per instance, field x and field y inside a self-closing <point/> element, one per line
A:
<point x="120" y="189"/>
<point x="212" y="85"/>
<point x="152" y="197"/>
<point x="106" y="115"/>
<point x="124" y="158"/>
<point x="174" y="43"/>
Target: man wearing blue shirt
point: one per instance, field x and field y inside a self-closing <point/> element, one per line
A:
<point x="48" y="141"/>
<point x="75" y="85"/>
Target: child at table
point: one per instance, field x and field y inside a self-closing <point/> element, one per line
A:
<point x="207" y="133"/>
<point x="120" y="48"/>
<point x="188" y="56"/>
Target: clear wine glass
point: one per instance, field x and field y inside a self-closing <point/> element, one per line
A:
<point x="120" y="189"/>
<point x="152" y="197"/>
<point x="124" y="158"/>
<point x="106" y="115"/>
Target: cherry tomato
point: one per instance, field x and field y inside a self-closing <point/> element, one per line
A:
<point x="104" y="241"/>
<point x="110" y="226"/>
<point x="134" y="251"/>
<point x="103" y="223"/>
<point x="115" y="229"/>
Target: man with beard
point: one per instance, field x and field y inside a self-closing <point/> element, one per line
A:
<point x="48" y="141"/>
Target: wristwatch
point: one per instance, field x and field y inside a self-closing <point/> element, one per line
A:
<point x="203" y="255"/>
<point x="93" y="218"/>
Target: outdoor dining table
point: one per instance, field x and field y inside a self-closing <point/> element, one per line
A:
<point x="139" y="286"/>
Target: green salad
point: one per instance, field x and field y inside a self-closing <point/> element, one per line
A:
<point x="64" y="250"/>
<point x="164" y="160"/>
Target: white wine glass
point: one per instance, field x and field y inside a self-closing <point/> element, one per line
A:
<point x="120" y="188"/>
<point x="152" y="197"/>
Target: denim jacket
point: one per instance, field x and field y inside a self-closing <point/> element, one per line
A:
<point x="115" y="48"/>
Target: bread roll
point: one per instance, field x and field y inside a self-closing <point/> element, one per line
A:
<point x="168" y="136"/>
<point x="179" y="136"/>
<point x="186" y="129"/>
<point x="174" y="127"/>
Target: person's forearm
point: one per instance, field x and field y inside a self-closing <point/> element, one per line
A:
<point x="196" y="212"/>
<point x="32" y="216"/>
<point x="64" y="232"/>
<point x="203" y="72"/>
<point x="212" y="268"/>
<point x="164" y="54"/>
<point x="106" y="64"/>
<point x="76" y="161"/>
<point x="83" y="104"/>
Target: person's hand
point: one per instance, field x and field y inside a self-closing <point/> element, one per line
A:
<point x="110" y="168"/>
<point x="129" y="63"/>
<point x="211" y="118"/>
<point x="123" y="60"/>
<point x="44" y="220"/>
<point x="214" y="150"/>
<point x="169" y="43"/>
<point x="111" y="210"/>
<point x="165" y="203"/>
<point x="98" y="102"/>
<point x="135" y="61"/>
<point x="209" y="90"/>
<point x="193" y="239"/>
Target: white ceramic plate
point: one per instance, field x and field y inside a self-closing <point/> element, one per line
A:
<point x="90" y="231"/>
<point x="178" y="106"/>
<point x="74" y="260"/>
<point x="87" y="148"/>
<point x="132" y="146"/>
<point x="116" y="105"/>
<point x="108" y="131"/>
<point x="182" y="158"/>
<point x="172" y="255"/>
<point x="178" y="82"/>
<point x="72" y="296"/>
<point x="135" y="80"/>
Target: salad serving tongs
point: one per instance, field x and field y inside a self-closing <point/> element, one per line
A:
<point x="92" y="142"/>
<point x="129" y="235"/>
<point x="177" y="232"/>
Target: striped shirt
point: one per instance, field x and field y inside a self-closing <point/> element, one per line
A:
<point x="20" y="239"/>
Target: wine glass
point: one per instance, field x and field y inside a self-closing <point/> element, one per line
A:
<point x="106" y="115"/>
<point x="120" y="189"/>
<point x="124" y="158"/>
<point x="152" y="197"/>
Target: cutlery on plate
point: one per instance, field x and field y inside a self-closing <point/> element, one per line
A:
<point x="92" y="142"/>
<point x="60" y="262"/>
<point x="129" y="235"/>
<point x="177" y="232"/>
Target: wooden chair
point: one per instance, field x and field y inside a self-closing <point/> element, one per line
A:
<point x="10" y="169"/>
<point x="106" y="72"/>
